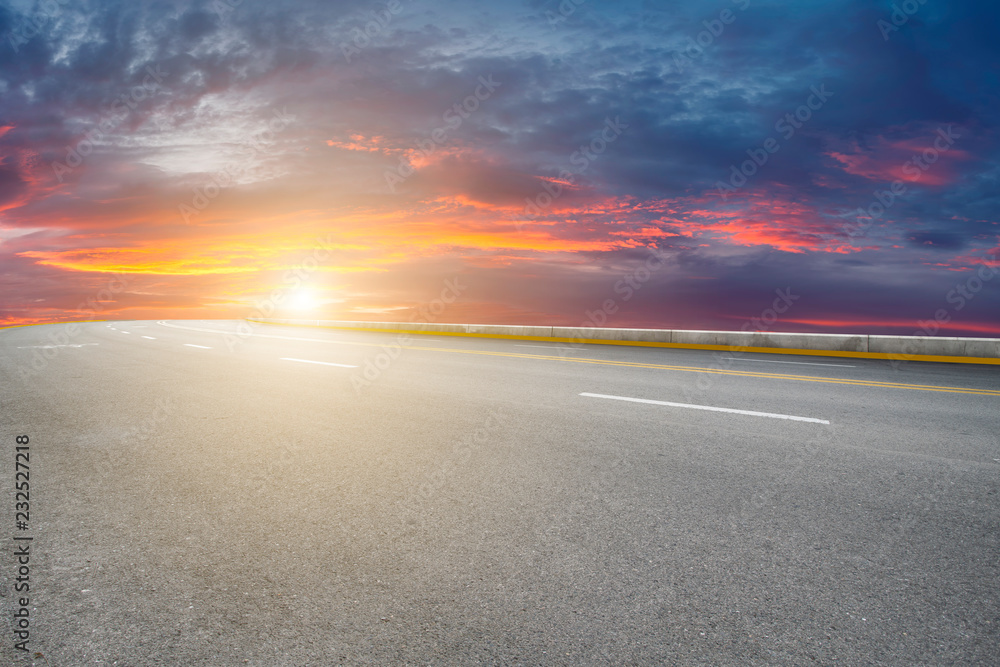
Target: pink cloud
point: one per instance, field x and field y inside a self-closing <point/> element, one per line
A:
<point x="928" y="156"/>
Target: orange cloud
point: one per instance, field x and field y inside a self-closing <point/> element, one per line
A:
<point x="222" y="255"/>
<point x="764" y="219"/>
<point x="357" y="142"/>
<point x="152" y="261"/>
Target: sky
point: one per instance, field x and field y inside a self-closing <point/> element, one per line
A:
<point x="816" y="166"/>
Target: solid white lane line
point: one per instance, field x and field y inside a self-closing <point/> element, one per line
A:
<point x="126" y="332"/>
<point x="800" y="363"/>
<point x="321" y="363"/>
<point x="752" y="413"/>
<point x="149" y="337"/>
<point x="198" y="346"/>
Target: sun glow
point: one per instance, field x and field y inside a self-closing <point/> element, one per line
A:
<point x="303" y="299"/>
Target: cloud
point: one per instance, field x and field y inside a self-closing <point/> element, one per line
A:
<point x="198" y="189"/>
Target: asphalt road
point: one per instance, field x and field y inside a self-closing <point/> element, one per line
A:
<point x="310" y="497"/>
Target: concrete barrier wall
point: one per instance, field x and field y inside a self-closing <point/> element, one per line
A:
<point x="858" y="345"/>
<point x="951" y="347"/>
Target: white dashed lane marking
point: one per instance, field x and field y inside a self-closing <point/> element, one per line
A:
<point x="711" y="408"/>
<point x="321" y="363"/>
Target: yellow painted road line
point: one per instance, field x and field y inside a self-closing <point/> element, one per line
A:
<point x="719" y="371"/>
<point x="42" y="324"/>
<point x="631" y="364"/>
<point x="890" y="356"/>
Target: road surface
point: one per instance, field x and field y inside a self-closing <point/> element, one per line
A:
<point x="218" y="493"/>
